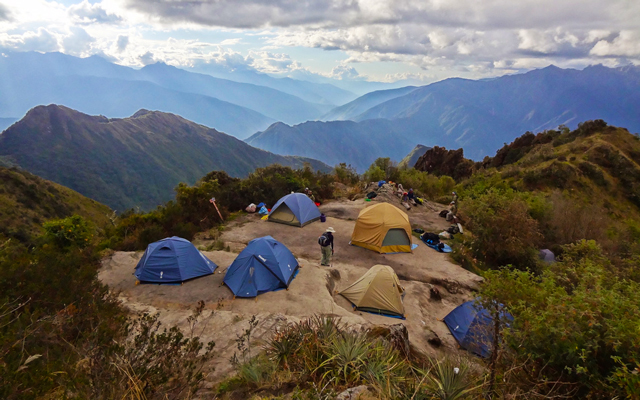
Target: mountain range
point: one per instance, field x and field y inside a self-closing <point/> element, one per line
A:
<point x="94" y="85"/>
<point x="334" y="142"/>
<point x="478" y="115"/>
<point x="135" y="161"/>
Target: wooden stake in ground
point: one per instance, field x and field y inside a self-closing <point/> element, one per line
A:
<point x="213" y="201"/>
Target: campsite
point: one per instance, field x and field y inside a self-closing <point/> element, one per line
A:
<point x="313" y="291"/>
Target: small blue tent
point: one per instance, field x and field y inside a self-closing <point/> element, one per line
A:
<point x="472" y="326"/>
<point x="294" y="209"/>
<point x="264" y="265"/>
<point x="172" y="260"/>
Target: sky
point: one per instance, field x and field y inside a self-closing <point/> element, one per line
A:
<point x="418" y="41"/>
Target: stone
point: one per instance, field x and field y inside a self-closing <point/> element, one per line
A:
<point x="353" y="393"/>
<point x="434" y="294"/>
<point x="433" y="339"/>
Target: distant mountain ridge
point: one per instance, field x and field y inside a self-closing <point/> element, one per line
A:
<point x="240" y="109"/>
<point x="481" y="116"/>
<point x="135" y="161"/>
<point x="358" y="144"/>
<point x="353" y="109"/>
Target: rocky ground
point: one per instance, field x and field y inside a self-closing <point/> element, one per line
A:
<point x="313" y="291"/>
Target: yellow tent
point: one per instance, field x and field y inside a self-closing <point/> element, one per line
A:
<point x="383" y="228"/>
<point x="377" y="291"/>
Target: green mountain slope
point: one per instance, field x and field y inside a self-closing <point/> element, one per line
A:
<point x="135" y="161"/>
<point x="26" y="201"/>
<point x="599" y="163"/>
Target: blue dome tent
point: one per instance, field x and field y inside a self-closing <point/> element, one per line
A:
<point x="263" y="266"/>
<point x="172" y="260"/>
<point x="473" y="327"/>
<point x="294" y="209"/>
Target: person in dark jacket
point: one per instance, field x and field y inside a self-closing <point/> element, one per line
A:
<point x="327" y="248"/>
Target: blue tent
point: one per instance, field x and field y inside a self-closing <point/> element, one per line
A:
<point x="472" y="326"/>
<point x="172" y="260"/>
<point x="264" y="265"/>
<point x="294" y="209"/>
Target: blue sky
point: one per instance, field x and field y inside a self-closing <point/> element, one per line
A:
<point x="371" y="40"/>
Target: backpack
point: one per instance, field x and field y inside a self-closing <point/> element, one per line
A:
<point x="322" y="240"/>
<point x="453" y="229"/>
<point x="430" y="238"/>
<point x="443" y="213"/>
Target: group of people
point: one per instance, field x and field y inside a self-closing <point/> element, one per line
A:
<point x="309" y="193"/>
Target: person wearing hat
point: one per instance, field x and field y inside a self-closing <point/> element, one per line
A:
<point x="455" y="197"/>
<point x="326" y="246"/>
<point x="453" y="210"/>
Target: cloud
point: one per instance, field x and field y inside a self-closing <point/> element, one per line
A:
<point x="5" y="14"/>
<point x="87" y="13"/>
<point x="40" y="40"/>
<point x="626" y="44"/>
<point x="147" y="58"/>
<point x="344" y="72"/>
<point x="466" y="35"/>
<point x="122" y="43"/>
<point x="78" y="42"/>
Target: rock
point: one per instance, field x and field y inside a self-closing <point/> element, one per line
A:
<point x="440" y="161"/>
<point x="433" y="339"/>
<point x="452" y="286"/>
<point x="397" y="335"/>
<point x="335" y="274"/>
<point x="353" y="393"/>
<point x="434" y="294"/>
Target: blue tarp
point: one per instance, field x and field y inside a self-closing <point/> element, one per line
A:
<point x="301" y="206"/>
<point x="472" y="326"/>
<point x="263" y="266"/>
<point x="172" y="260"/>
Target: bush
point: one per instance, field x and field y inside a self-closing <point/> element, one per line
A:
<point x="67" y="232"/>
<point x="575" y="326"/>
<point x="504" y="231"/>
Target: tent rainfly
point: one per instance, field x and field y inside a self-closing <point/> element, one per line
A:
<point x="295" y="209"/>
<point x="473" y="326"/>
<point x="383" y="228"/>
<point x="172" y="260"/>
<point x="263" y="266"/>
<point x="378" y="291"/>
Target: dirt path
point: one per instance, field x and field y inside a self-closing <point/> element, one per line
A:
<point x="311" y="292"/>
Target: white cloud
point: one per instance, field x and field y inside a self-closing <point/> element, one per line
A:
<point x="87" y="13"/>
<point x="626" y="44"/>
<point x="344" y="72"/>
<point x="40" y="40"/>
<point x="78" y="43"/>
<point x="147" y="58"/>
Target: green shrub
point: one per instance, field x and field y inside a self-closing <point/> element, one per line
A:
<point x="67" y="232"/>
<point x="504" y="232"/>
<point x="575" y="325"/>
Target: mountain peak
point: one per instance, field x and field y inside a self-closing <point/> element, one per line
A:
<point x="141" y="112"/>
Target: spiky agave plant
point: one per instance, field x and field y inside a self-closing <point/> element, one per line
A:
<point x="347" y="356"/>
<point x="284" y="344"/>
<point x="450" y="380"/>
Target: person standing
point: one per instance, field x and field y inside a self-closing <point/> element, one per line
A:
<point x="453" y="210"/>
<point x="311" y="196"/>
<point x="454" y="197"/>
<point x="326" y="245"/>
